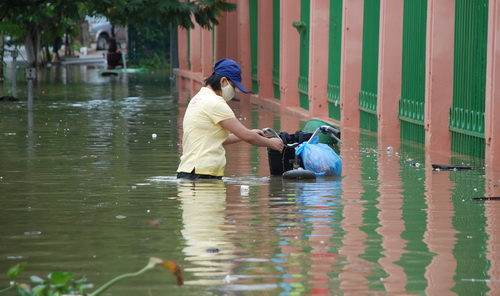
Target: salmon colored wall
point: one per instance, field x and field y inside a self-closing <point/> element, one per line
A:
<point x="242" y="40"/>
<point x="183" y="48"/>
<point x="195" y="50"/>
<point x="232" y="40"/>
<point x="318" y="77"/>
<point x="492" y="122"/>
<point x="350" y="68"/>
<point x="439" y="78"/>
<point x="492" y="127"/>
<point x="289" y="54"/>
<point x="206" y="53"/>
<point x="265" y="49"/>
<point x="389" y="70"/>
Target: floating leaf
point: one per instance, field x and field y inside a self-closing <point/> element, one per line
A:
<point x="37" y="279"/>
<point x="175" y="269"/>
<point x="39" y="290"/>
<point x="154" y="222"/>
<point x="59" y="277"/>
<point x="15" y="270"/>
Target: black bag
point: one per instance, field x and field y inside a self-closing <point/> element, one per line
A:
<point x="280" y="162"/>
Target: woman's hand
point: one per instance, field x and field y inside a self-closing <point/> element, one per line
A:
<point x="258" y="131"/>
<point x="277" y="144"/>
<point x="253" y="137"/>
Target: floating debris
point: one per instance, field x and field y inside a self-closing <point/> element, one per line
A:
<point x="453" y="167"/>
<point x="486" y="198"/>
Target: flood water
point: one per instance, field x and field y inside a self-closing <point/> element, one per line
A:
<point x="87" y="185"/>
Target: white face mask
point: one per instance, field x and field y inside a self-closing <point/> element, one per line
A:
<point x="228" y="92"/>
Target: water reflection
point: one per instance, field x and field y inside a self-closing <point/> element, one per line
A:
<point x="310" y="236"/>
<point x="86" y="154"/>
<point x="205" y="230"/>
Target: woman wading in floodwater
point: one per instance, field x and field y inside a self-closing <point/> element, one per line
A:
<point x="210" y="124"/>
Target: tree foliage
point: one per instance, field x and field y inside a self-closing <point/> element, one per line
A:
<point x="38" y="22"/>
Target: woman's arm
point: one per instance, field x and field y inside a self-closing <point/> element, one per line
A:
<point x="240" y="133"/>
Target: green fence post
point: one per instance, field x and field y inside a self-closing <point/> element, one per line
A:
<point x="369" y="68"/>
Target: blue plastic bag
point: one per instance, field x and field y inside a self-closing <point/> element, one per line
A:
<point x="320" y="158"/>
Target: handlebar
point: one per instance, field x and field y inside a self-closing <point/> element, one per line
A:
<point x="325" y="129"/>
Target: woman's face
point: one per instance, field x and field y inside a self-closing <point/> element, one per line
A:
<point x="224" y="82"/>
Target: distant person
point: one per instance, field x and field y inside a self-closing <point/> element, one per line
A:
<point x="56" y="46"/>
<point x="114" y="55"/>
<point x="210" y="125"/>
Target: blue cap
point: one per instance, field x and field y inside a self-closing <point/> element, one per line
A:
<point x="231" y="70"/>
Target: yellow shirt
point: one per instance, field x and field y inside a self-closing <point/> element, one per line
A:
<point x="203" y="136"/>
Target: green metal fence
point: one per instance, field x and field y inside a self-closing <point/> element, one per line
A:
<point x="469" y="83"/>
<point x="411" y="104"/>
<point x="369" y="68"/>
<point x="276" y="48"/>
<point x="254" y="26"/>
<point x="303" y="83"/>
<point x="335" y="47"/>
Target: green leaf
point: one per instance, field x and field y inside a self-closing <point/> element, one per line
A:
<point x="59" y="277"/>
<point x="22" y="291"/>
<point x="15" y="270"/>
<point x="37" y="279"/>
<point x="39" y="290"/>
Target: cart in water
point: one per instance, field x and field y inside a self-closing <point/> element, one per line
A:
<point x="311" y="162"/>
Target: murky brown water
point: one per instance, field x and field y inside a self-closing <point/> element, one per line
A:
<point x="85" y="187"/>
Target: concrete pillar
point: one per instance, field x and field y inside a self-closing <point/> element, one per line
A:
<point x="195" y="41"/>
<point x="389" y="70"/>
<point x="220" y="37"/>
<point x="265" y="48"/>
<point x="350" y="76"/>
<point x="318" y="59"/>
<point x="242" y="39"/>
<point x="439" y="74"/>
<point x="290" y="53"/>
<point x="492" y="127"/>
<point x="492" y="120"/>
<point x="183" y="48"/>
<point x="206" y="53"/>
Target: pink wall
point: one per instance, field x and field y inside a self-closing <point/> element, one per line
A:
<point x="265" y="49"/>
<point x="492" y="122"/>
<point x="290" y="53"/>
<point x="439" y="81"/>
<point x="389" y="70"/>
<point x="232" y="40"/>
<point x="318" y="59"/>
<point x="350" y="69"/>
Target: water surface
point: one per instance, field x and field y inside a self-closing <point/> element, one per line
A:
<point x="87" y="185"/>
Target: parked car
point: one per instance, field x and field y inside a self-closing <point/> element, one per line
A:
<point x="100" y="29"/>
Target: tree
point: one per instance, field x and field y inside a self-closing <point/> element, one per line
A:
<point x="45" y="19"/>
<point x="39" y="22"/>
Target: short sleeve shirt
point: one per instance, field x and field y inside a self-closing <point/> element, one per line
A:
<point x="202" y="149"/>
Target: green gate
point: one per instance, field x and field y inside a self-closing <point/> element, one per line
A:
<point x="254" y="26"/>
<point x="411" y="104"/>
<point x="469" y="79"/>
<point x="303" y="28"/>
<point x="369" y="68"/>
<point x="335" y="48"/>
<point x="276" y="48"/>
